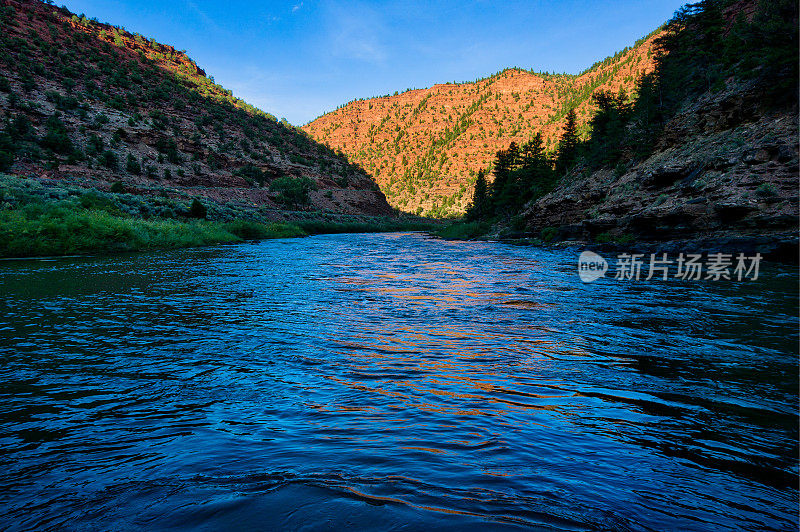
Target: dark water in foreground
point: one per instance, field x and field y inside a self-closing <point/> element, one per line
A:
<point x="392" y="381"/>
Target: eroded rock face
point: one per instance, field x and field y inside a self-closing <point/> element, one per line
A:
<point x="121" y="93"/>
<point x="706" y="182"/>
<point x="424" y="146"/>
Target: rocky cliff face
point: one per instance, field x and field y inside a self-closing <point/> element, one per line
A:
<point x="724" y="167"/>
<point x="91" y="104"/>
<point x="424" y="147"/>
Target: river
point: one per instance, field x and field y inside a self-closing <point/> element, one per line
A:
<point x="392" y="381"/>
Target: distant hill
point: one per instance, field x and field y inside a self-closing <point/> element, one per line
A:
<point x="94" y="105"/>
<point x="424" y="147"/>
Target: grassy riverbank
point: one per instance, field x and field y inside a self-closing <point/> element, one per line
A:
<point x="65" y="228"/>
<point x="43" y="220"/>
<point x="463" y="230"/>
<point x="377" y="225"/>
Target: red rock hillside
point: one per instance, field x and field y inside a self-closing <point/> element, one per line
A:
<point x="424" y="147"/>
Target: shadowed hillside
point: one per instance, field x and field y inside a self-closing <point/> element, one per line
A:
<point x="87" y="104"/>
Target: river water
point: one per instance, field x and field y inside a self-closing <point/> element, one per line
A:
<point x="392" y="381"/>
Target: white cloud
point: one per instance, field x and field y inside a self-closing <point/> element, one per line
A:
<point x="297" y="7"/>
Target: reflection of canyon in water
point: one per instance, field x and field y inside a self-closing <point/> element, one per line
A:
<point x="388" y="380"/>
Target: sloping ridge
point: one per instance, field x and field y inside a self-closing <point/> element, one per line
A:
<point x="93" y="104"/>
<point x="425" y="146"/>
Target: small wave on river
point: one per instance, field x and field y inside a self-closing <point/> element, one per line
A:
<point x="392" y="381"/>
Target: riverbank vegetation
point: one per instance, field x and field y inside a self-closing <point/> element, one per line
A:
<point x="38" y="221"/>
<point x="317" y="226"/>
<point x="65" y="229"/>
<point x="463" y="230"/>
<point x="42" y="220"/>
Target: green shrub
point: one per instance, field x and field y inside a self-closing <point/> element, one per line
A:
<point x="61" y="101"/>
<point x="6" y="160"/>
<point x="132" y="165"/>
<point x="197" y="210"/>
<point x="7" y="150"/>
<point x="94" y="145"/>
<point x="94" y="200"/>
<point x="623" y="238"/>
<point x="109" y="159"/>
<point x="549" y="234"/>
<point x="252" y="174"/>
<point x="117" y="187"/>
<point x="293" y="191"/>
<point x="169" y="148"/>
<point x="464" y="230"/>
<point x="766" y="190"/>
<point x="28" y="83"/>
<point x="75" y="157"/>
<point x="59" y="230"/>
<point x="56" y="137"/>
<point x="379" y="225"/>
<point x="39" y="220"/>
<point x="248" y="230"/>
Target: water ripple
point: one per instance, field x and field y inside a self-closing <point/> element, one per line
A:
<point x="392" y="381"/>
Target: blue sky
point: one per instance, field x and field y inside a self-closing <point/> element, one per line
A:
<point x="301" y="58"/>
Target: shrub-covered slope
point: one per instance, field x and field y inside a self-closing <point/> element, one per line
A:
<point x="424" y="147"/>
<point x="92" y="105"/>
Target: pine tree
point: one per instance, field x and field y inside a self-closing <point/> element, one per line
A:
<point x="532" y="153"/>
<point x="501" y="172"/>
<point x="711" y="23"/>
<point x="535" y="177"/>
<point x="513" y="155"/>
<point x="645" y="114"/>
<point x="607" y="142"/>
<point x="568" y="144"/>
<point x="480" y="198"/>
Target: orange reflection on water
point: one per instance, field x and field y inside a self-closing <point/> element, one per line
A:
<point x="426" y="449"/>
